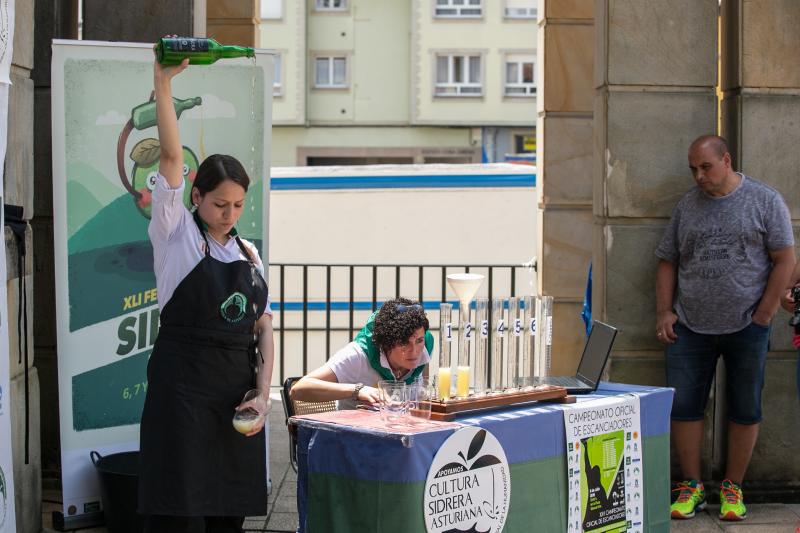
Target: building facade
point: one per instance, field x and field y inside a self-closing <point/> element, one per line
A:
<point x="402" y="81"/>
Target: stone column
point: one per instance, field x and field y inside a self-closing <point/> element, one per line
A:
<point x="18" y="190"/>
<point x="761" y="119"/>
<point x="57" y="20"/>
<point x="564" y="163"/>
<point x="655" y="92"/>
<point x="142" y="21"/>
<point x="235" y="22"/>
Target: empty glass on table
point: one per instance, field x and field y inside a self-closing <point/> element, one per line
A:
<point x="394" y="400"/>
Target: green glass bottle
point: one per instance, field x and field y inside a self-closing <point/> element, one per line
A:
<point x="144" y="115"/>
<point x="200" y="51"/>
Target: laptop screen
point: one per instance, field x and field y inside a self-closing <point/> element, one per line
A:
<point x="596" y="351"/>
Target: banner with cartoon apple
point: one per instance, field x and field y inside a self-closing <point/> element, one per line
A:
<point x="604" y="465"/>
<point x="105" y="158"/>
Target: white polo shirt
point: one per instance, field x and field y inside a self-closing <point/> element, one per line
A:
<point x="350" y="365"/>
<point x="178" y="245"/>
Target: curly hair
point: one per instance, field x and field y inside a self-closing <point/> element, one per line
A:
<point x="396" y="321"/>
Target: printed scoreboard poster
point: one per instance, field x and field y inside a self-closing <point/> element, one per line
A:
<point x="105" y="158"/>
<point x="604" y="466"/>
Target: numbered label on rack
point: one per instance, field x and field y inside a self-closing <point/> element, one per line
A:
<point x="517" y="327"/>
<point x="485" y="329"/>
<point x="501" y="328"/>
<point x="468" y="331"/>
<point x="532" y="326"/>
<point x="448" y="335"/>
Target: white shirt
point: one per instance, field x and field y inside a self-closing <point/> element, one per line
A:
<point x="350" y="365"/>
<point x="178" y="245"/>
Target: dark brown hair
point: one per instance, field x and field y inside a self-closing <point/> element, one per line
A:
<point x="218" y="168"/>
<point x="396" y="321"/>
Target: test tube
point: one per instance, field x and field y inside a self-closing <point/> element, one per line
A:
<point x="528" y="372"/>
<point x="498" y="325"/>
<point x="465" y="334"/>
<point x="545" y="321"/>
<point x="482" y="346"/>
<point x="512" y="346"/>
<point x="443" y="380"/>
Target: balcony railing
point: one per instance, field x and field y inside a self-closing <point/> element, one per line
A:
<point x="327" y="304"/>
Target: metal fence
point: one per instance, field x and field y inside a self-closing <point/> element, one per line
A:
<point x="337" y="291"/>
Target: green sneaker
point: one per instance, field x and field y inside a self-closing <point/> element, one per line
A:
<point x="691" y="497"/>
<point x="732" y="503"/>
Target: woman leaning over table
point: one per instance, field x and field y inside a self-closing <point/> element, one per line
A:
<point x="395" y="344"/>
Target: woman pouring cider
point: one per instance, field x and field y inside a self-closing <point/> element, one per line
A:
<point x="197" y="473"/>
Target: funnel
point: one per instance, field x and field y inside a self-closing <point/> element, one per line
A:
<point x="465" y="286"/>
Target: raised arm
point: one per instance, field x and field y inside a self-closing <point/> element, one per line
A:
<point x="171" y="161"/>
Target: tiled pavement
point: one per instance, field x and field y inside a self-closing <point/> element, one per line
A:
<point x="282" y="512"/>
<point x="761" y="518"/>
<point x="282" y="509"/>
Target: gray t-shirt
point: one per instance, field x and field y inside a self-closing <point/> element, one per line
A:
<point x="721" y="246"/>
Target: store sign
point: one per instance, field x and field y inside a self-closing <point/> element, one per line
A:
<point x="468" y="489"/>
<point x="604" y="465"/>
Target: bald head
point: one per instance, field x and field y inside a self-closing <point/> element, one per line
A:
<point x="710" y="162"/>
<point x="716" y="143"/>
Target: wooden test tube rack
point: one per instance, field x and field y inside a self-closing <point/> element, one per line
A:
<point x="447" y="411"/>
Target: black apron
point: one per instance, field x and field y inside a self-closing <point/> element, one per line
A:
<point x="192" y="461"/>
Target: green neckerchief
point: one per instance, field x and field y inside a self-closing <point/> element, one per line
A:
<point x="364" y="340"/>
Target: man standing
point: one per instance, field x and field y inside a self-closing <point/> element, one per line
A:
<point x="724" y="262"/>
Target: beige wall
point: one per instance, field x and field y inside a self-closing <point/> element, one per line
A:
<point x="287" y="37"/>
<point x="373" y="35"/>
<point x="491" y="36"/>
<point x="391" y="46"/>
<point x="286" y="140"/>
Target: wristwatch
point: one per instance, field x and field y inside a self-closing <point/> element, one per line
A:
<point x="356" y="390"/>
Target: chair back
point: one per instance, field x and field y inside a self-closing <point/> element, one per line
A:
<point x="292" y="408"/>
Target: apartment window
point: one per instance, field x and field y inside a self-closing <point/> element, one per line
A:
<point x="271" y="9"/>
<point x="459" y="8"/>
<point x="520" y="9"/>
<point x="330" y="72"/>
<point x="331" y="5"/>
<point x="277" y="80"/>
<point x="520" y="80"/>
<point x="458" y="75"/>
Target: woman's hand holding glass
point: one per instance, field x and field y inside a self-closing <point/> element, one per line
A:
<point x="251" y="413"/>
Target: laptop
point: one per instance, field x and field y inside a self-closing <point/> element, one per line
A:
<point x="593" y="360"/>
